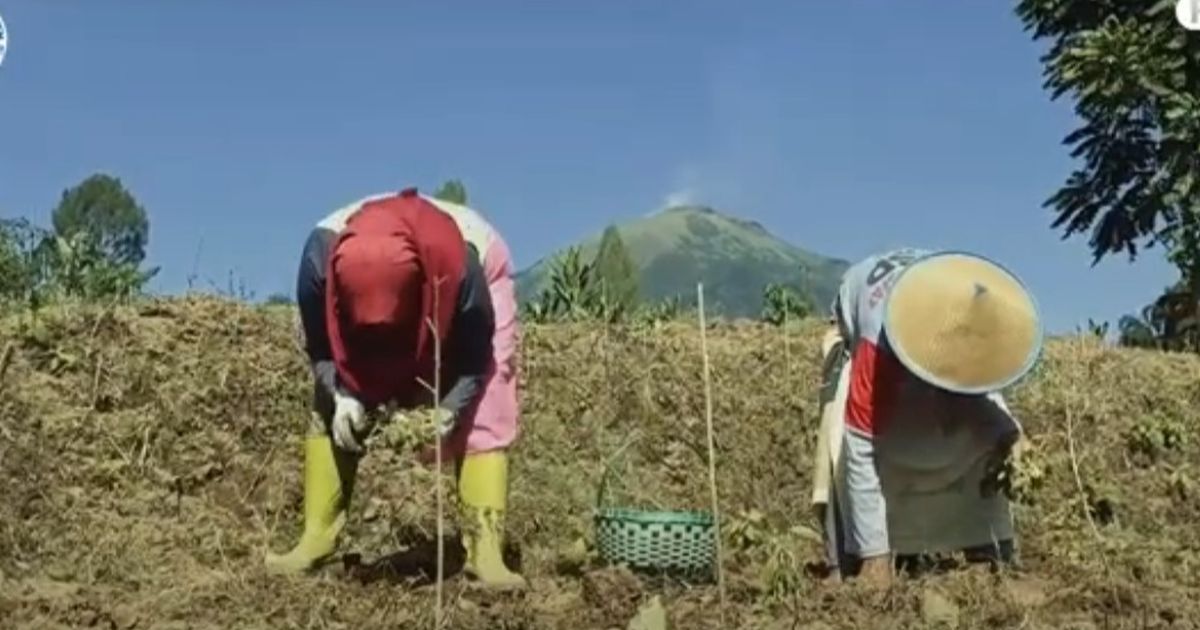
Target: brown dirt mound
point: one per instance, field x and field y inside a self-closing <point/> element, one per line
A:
<point x="152" y="454"/>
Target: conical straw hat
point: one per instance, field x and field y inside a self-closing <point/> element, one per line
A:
<point x="962" y="323"/>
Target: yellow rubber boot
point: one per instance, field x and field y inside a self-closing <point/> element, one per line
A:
<point x="483" y="494"/>
<point x="328" y="484"/>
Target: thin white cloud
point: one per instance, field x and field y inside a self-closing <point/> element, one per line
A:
<point x="683" y="197"/>
<point x="743" y="146"/>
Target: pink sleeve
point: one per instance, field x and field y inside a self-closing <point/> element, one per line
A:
<point x="499" y="270"/>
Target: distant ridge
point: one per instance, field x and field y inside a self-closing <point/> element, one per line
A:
<point x="736" y="258"/>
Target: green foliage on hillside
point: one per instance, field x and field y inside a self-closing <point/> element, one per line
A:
<point x="1167" y="323"/>
<point x="615" y="271"/>
<point x="94" y="252"/>
<point x="453" y="191"/>
<point x="783" y="304"/>
<point x="575" y="293"/>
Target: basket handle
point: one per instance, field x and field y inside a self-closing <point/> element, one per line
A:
<point x="608" y="466"/>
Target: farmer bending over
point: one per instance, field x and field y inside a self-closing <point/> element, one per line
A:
<point x="914" y="429"/>
<point x="368" y="279"/>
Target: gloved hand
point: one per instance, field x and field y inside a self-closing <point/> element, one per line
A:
<point x="444" y="420"/>
<point x="349" y="420"/>
<point x="444" y="423"/>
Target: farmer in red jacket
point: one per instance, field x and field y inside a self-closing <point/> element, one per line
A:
<point x="378" y="280"/>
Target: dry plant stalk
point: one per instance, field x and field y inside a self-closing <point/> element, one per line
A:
<point x="5" y="360"/>
<point x="1083" y="496"/>
<point x="435" y="391"/>
<point x="787" y="345"/>
<point x="437" y="451"/>
<point x="712" y="450"/>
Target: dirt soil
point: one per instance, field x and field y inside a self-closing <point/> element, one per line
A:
<point x="151" y="454"/>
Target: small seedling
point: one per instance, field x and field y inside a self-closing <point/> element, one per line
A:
<point x="408" y="430"/>
<point x="1181" y="486"/>
<point x="1155" y="436"/>
<point x="747" y="530"/>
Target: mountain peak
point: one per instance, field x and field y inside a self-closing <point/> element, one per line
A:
<point x="690" y="209"/>
<point x="735" y="258"/>
<point x="702" y="210"/>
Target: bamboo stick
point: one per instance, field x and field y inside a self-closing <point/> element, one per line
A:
<point x="712" y="454"/>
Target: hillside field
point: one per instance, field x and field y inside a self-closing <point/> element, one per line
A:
<point x="151" y="454"/>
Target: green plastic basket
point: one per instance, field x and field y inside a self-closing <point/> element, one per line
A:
<point x="653" y="540"/>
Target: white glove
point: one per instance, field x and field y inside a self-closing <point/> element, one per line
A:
<point x="349" y="418"/>
<point x="444" y="421"/>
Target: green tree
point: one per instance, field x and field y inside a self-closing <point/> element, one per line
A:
<point x="12" y="268"/>
<point x="1134" y="75"/>
<point x="19" y="272"/>
<point x="279" y="299"/>
<point x="1167" y="323"/>
<point x="783" y="304"/>
<point x="453" y="191"/>
<point x="1136" y="332"/>
<point x="101" y="207"/>
<point x="37" y="266"/>
<point x="616" y="272"/>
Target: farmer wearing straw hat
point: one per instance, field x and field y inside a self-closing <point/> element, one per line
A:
<point x="373" y="276"/>
<point x="914" y="429"/>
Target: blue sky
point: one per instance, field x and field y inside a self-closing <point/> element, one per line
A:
<point x="843" y="126"/>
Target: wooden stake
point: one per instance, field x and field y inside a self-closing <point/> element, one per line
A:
<point x="712" y="450"/>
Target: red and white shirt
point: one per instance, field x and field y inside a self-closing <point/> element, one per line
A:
<point x="881" y="392"/>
